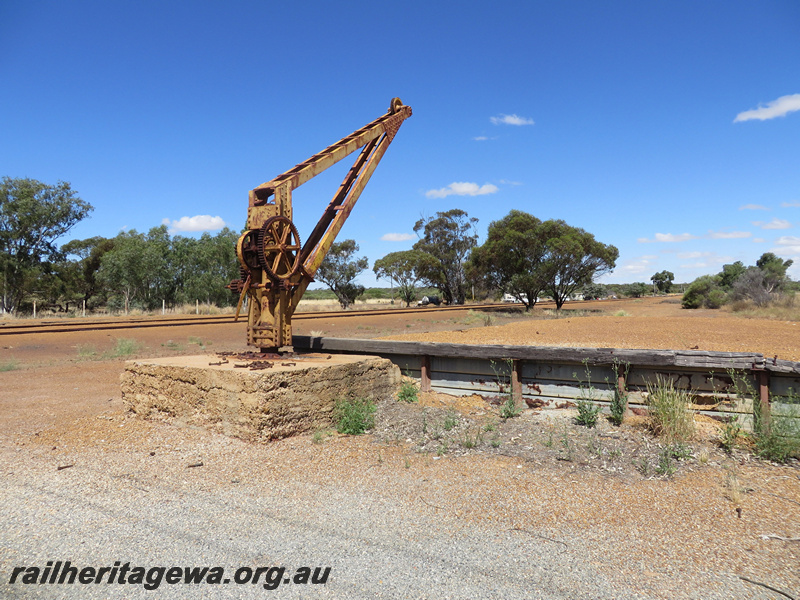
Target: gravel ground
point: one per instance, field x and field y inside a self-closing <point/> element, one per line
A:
<point x="389" y="521"/>
<point x="388" y="514"/>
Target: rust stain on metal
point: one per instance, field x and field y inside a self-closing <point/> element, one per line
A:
<point x="275" y="267"/>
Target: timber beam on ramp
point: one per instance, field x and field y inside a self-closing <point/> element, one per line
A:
<point x="545" y="376"/>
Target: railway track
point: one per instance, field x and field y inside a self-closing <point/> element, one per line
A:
<point x="79" y="324"/>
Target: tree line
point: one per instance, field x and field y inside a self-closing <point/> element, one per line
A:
<point x="131" y="270"/>
<point x="522" y="255"/>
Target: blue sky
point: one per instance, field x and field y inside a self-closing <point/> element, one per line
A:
<point x="669" y="129"/>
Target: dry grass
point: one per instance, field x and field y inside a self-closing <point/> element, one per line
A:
<point x="670" y="417"/>
<point x="785" y="309"/>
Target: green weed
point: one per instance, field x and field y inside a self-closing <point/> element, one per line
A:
<point x="776" y="433"/>
<point x="680" y="451"/>
<point x="567" y="444"/>
<point x="509" y="408"/>
<point x="320" y="436"/>
<point x="619" y="402"/>
<point x="9" y="365"/>
<point x="643" y="466"/>
<point x="450" y="420"/>
<point x="87" y="352"/>
<point x="588" y="411"/>
<point x="354" y="416"/>
<point x="124" y="347"/>
<point x="408" y="391"/>
<point x="665" y="468"/>
<point x="471" y="439"/>
<point x="197" y="340"/>
<point x="729" y="434"/>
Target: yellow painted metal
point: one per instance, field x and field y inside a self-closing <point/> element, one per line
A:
<point x="274" y="273"/>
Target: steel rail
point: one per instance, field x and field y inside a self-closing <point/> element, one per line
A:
<point x="73" y="325"/>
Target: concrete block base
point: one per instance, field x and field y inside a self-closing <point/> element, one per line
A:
<point x="293" y="395"/>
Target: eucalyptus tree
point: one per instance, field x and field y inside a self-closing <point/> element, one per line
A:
<point x="339" y="270"/>
<point x="446" y="241"/>
<point x="33" y="215"/>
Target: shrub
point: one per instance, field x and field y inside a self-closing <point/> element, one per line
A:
<point x="716" y="298"/>
<point x="704" y="292"/>
<point x="354" y="416"/>
<point x="670" y="416"/>
<point x="752" y="286"/>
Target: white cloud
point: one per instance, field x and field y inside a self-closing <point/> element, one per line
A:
<point x="728" y="235"/>
<point x="480" y="138"/>
<point x="196" y="223"/>
<point x="669" y="237"/>
<point x="636" y="266"/>
<point x="708" y="260"/>
<point x="510" y="120"/>
<point x="777" y="108"/>
<point x="507" y="182"/>
<point x="753" y="207"/>
<point x="774" y="224"/>
<point x="788" y="244"/>
<point x="462" y="188"/>
<point x="790" y="204"/>
<point x="788" y="240"/>
<point x="397" y="237"/>
<point x="759" y="240"/>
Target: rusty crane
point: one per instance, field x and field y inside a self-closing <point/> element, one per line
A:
<point x="276" y="269"/>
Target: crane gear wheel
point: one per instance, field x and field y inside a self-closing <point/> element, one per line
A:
<point x="279" y="248"/>
<point x="247" y="251"/>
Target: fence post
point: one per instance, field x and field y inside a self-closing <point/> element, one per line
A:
<point x="84" y="308"/>
<point x="516" y="381"/>
<point x="34" y="309"/>
<point x="425" y="374"/>
<point x="763" y="397"/>
<point x="621" y="382"/>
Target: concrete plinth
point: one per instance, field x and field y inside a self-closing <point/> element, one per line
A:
<point x="293" y="395"/>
